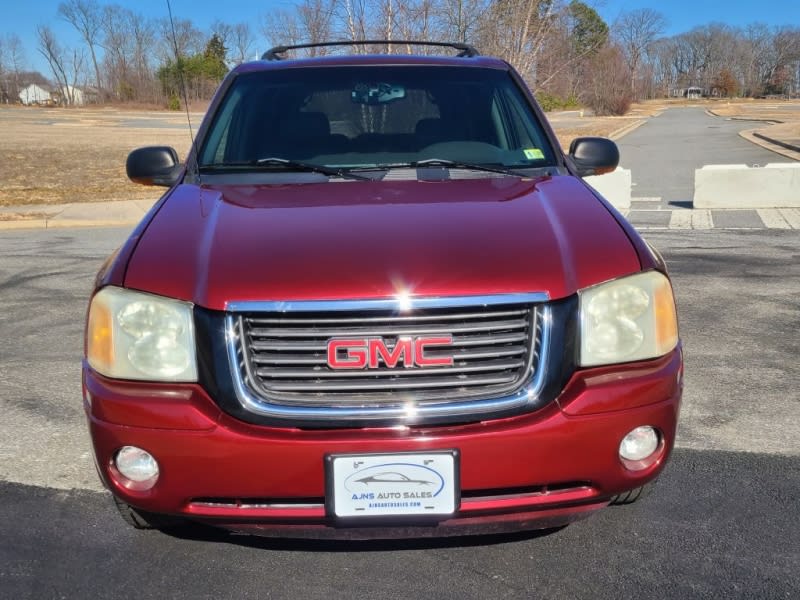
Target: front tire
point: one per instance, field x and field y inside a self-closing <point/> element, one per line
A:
<point x="140" y="519"/>
<point x="632" y="496"/>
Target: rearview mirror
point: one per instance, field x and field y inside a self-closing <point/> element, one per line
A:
<point x="377" y="93"/>
<point x="154" y="165"/>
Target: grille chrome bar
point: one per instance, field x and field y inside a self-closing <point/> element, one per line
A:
<point x="318" y="358"/>
<point x="382" y="319"/>
<point x="277" y="332"/>
<point x="457" y="341"/>
<point x="280" y="364"/>
<point x="373" y="373"/>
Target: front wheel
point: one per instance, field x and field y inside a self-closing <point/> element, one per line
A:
<point x="140" y="519"/>
<point x="632" y="496"/>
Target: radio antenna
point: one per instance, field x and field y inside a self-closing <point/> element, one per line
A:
<point x="179" y="66"/>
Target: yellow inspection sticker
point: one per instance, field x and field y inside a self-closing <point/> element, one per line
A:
<point x="533" y="153"/>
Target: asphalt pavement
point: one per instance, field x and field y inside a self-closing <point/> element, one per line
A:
<point x="722" y="521"/>
<point x="718" y="525"/>
<point x="663" y="153"/>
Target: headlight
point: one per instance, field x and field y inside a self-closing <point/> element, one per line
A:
<point x="131" y="335"/>
<point x="628" y="319"/>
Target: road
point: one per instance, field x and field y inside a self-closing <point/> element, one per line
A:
<point x="722" y="521"/>
<point x="663" y="153"/>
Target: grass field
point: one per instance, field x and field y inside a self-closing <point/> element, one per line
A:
<point x="55" y="156"/>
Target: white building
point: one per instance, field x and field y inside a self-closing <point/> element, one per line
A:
<point x="72" y="92"/>
<point x="33" y="94"/>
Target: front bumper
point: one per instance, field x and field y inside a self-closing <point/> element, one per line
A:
<point x="532" y="471"/>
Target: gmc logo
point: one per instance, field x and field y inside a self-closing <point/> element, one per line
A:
<point x="370" y="352"/>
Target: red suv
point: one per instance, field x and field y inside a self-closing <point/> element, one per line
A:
<point x="379" y="301"/>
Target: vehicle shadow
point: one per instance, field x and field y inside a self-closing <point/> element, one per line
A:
<point x="197" y="532"/>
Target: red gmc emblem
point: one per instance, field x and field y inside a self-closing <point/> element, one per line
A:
<point x="371" y="352"/>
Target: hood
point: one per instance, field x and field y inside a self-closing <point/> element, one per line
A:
<point x="362" y="239"/>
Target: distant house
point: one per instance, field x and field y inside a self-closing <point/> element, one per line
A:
<point x="72" y="92"/>
<point x="33" y="94"/>
<point x="694" y="92"/>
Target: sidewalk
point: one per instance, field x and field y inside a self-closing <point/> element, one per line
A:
<point x="83" y="214"/>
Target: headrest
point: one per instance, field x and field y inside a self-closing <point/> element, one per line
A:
<point x="305" y="125"/>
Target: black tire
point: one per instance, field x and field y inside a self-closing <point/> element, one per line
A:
<point x="140" y="519"/>
<point x="632" y="496"/>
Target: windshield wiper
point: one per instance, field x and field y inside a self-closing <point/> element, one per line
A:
<point x="446" y="163"/>
<point x="287" y="165"/>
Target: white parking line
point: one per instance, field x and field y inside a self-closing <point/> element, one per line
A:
<point x="701" y="219"/>
<point x="680" y="219"/>
<point x="773" y="219"/>
<point x="792" y="215"/>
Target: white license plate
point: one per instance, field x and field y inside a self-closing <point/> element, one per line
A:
<point x="380" y="485"/>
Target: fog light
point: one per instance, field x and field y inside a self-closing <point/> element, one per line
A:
<point x="137" y="466"/>
<point x="639" y="444"/>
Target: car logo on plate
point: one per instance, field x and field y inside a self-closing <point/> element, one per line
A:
<point x="396" y="480"/>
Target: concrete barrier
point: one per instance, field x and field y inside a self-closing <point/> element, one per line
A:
<point x="614" y="187"/>
<point x="776" y="185"/>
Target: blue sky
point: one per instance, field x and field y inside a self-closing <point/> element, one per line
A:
<point x="22" y="17"/>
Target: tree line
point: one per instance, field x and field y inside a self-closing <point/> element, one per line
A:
<point x="567" y="53"/>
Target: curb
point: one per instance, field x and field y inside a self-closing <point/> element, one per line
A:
<point x="711" y="113"/>
<point x="63" y="223"/>
<point x="769" y="144"/>
<point x="786" y="145"/>
<point x="623" y="131"/>
<point x="24" y="224"/>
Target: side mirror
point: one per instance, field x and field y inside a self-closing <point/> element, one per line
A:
<point x="594" y="155"/>
<point x="153" y="165"/>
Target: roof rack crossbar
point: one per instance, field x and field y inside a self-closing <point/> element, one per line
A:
<point x="465" y="50"/>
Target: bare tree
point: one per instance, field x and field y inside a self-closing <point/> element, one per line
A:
<point x="417" y="20"/>
<point x="16" y="60"/>
<point x="223" y="30"/>
<point x="608" y="93"/>
<point x="636" y="30"/>
<point x="311" y="21"/>
<point x="52" y="52"/>
<point x="355" y="18"/>
<point x="66" y="65"/>
<point x="516" y="29"/>
<point x="460" y="18"/>
<point x="785" y="52"/>
<point x="118" y="51"/>
<point x="12" y="58"/>
<point x="185" y="40"/>
<point x="86" y="17"/>
<point x="5" y="93"/>
<point x="143" y="34"/>
<point x="241" y="42"/>
<point x="282" y="27"/>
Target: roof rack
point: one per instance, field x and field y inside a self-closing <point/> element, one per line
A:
<point x="465" y="50"/>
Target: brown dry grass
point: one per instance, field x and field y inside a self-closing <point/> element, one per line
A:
<point x="570" y="125"/>
<point x="786" y="113"/>
<point x="778" y="110"/>
<point x="55" y="156"/>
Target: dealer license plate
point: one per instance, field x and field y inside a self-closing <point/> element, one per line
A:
<point x="380" y="485"/>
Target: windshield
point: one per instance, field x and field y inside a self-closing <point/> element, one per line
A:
<point x="372" y="117"/>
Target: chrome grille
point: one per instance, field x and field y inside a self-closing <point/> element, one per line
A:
<point x="282" y="356"/>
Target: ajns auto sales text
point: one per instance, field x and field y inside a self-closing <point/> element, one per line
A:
<point x="392" y="496"/>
